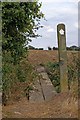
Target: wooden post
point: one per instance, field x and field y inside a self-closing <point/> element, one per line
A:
<point x="61" y="34"/>
<point x="0" y="45"/>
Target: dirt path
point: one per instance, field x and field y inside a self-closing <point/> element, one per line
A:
<point x="44" y="102"/>
<point x="61" y="106"/>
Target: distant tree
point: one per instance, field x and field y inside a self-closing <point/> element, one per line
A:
<point x="31" y="47"/>
<point x="40" y="48"/>
<point x="55" y="48"/>
<point x="49" y="48"/>
<point x="73" y="48"/>
<point x="20" y="21"/>
<point x="36" y="49"/>
<point x="68" y="48"/>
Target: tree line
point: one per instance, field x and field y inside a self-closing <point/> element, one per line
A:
<point x="54" y="48"/>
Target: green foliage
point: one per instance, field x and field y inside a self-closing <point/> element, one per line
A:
<point x="53" y="72"/>
<point x="9" y="77"/>
<point x="20" y="21"/>
<point x="15" y="75"/>
<point x="73" y="69"/>
<point x="25" y="71"/>
<point x="73" y="73"/>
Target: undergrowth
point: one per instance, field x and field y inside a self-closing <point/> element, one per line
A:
<point x="72" y="69"/>
<point x="18" y="77"/>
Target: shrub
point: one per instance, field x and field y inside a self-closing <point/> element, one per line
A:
<point x="9" y="80"/>
<point x="73" y="73"/>
<point x="53" y="72"/>
<point x="15" y="75"/>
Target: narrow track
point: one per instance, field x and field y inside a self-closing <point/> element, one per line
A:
<point x="43" y="88"/>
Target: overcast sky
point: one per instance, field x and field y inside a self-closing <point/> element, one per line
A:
<point x="58" y="11"/>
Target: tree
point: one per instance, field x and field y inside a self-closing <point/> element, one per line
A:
<point x="20" y="21"/>
<point x="49" y="48"/>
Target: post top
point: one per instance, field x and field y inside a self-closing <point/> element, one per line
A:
<point x="61" y="28"/>
<point x="61" y="24"/>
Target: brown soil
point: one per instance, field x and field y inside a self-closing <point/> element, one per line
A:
<point x="37" y="57"/>
<point x="61" y="106"/>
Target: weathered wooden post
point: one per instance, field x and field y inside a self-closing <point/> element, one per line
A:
<point x="61" y="34"/>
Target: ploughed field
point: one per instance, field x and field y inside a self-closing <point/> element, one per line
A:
<point x="37" y="57"/>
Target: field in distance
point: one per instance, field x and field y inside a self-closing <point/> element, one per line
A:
<point x="37" y="57"/>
